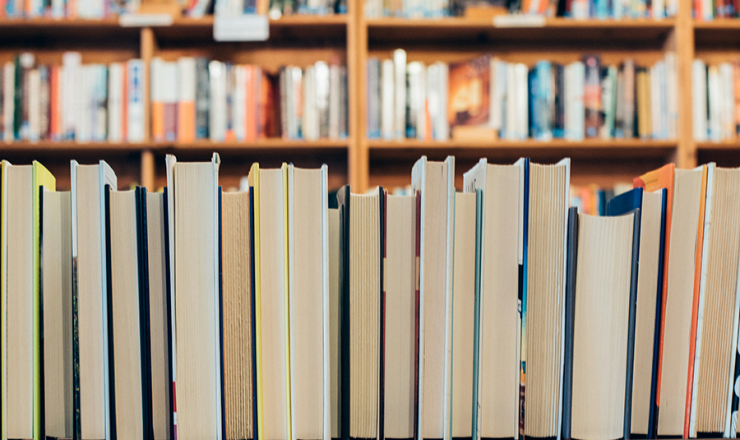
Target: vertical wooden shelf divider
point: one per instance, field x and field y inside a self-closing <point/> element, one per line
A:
<point x="358" y="166"/>
<point x="148" y="45"/>
<point x="683" y="41"/>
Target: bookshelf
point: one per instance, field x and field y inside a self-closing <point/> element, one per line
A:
<point x="351" y="38"/>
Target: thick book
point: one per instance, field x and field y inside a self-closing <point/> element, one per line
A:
<point x="21" y="298"/>
<point x="400" y="320"/>
<point x="469" y="92"/>
<point x="435" y="181"/>
<point x="193" y="221"/>
<point x="272" y="326"/>
<point x="603" y="325"/>
<point x="361" y="294"/>
<point x="308" y="292"/>
<point x="495" y="411"/>
<point x="90" y="301"/>
<point x="56" y="285"/>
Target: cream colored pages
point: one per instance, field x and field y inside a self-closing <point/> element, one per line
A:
<point x="601" y="323"/>
<point x="463" y="319"/>
<point x="237" y="314"/>
<point x="20" y="302"/>
<point x="90" y="302"/>
<point x="499" y="364"/>
<point x="334" y="318"/>
<point x="125" y="307"/>
<point x="400" y="316"/>
<point x="56" y="280"/>
<point x="307" y="300"/>
<point x="545" y="298"/>
<point x="195" y="252"/>
<point x="685" y="222"/>
<point x="158" y="328"/>
<point x="364" y="321"/>
<point x="431" y="178"/>
<point x="718" y="290"/>
<point x="273" y="307"/>
<point x="647" y="291"/>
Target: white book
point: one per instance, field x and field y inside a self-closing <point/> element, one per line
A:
<point x="495" y="90"/>
<point x="659" y="9"/>
<point x="715" y="128"/>
<point x="240" y="102"/>
<point x="442" y="126"/>
<point x="727" y="111"/>
<point x="416" y="97"/>
<point x="8" y="102"/>
<point x="432" y="96"/>
<point x="567" y="94"/>
<point x="655" y="101"/>
<point x="135" y="105"/>
<point x="663" y="93"/>
<point x="435" y="181"/>
<point x="115" y="102"/>
<point x="89" y="248"/>
<point x="34" y="105"/>
<point x="217" y="111"/>
<point x="399" y="113"/>
<point x="388" y="100"/>
<point x="699" y="99"/>
<point x="85" y="86"/>
<point x="522" y="97"/>
<point x="72" y="72"/>
<point x="186" y="99"/>
<point x="57" y="8"/>
<point x="308" y="291"/>
<point x="100" y="103"/>
<point x="511" y="101"/>
<point x="421" y="104"/>
<point x="579" y="113"/>
<point x="322" y="97"/>
<point x="310" y="114"/>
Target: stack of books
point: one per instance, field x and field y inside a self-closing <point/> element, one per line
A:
<point x="194" y="98"/>
<point x="72" y="101"/>
<point x="716" y="97"/>
<point x="489" y="97"/>
<point x="495" y="312"/>
<point x="709" y="10"/>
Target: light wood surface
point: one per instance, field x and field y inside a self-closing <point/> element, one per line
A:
<point x="352" y="39"/>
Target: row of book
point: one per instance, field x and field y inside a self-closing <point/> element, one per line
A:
<point x="593" y="199"/>
<point x="716" y="97"/>
<point x="496" y="312"/>
<point x="578" y="9"/>
<point x="194" y="98"/>
<point x="98" y="9"/>
<point x="72" y="101"/>
<point x="488" y="97"/>
<point x="709" y="10"/>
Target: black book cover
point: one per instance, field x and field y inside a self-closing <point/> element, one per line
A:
<point x="255" y="425"/>
<point x="344" y="378"/>
<point x="202" y="102"/>
<point x="558" y="117"/>
<point x="570" y="312"/>
<point x="109" y="312"/>
<point x="221" y="311"/>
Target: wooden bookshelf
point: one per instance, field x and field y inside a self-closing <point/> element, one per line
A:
<point x="351" y="38"/>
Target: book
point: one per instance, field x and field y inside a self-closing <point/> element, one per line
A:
<point x="361" y="302"/>
<point x="435" y="181"/>
<point x="466" y="295"/>
<point x="495" y="413"/>
<point x="90" y="301"/>
<point x="605" y="305"/>
<point x="469" y="92"/>
<point x="400" y="361"/>
<point x="309" y="299"/>
<point x="272" y="337"/>
<point x="56" y="287"/>
<point x="135" y="131"/>
<point x="194" y="219"/>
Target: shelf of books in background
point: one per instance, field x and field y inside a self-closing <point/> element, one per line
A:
<point x="192" y="98"/>
<point x="716" y="98"/>
<point x="197" y="98"/>
<point x="489" y="98"/>
<point x="709" y="10"/>
<point x="486" y="9"/>
<point x="72" y="101"/>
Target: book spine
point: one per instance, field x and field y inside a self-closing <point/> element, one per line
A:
<point x="388" y="100"/>
<point x="592" y="95"/>
<point x="559" y="99"/>
<point x="45" y="102"/>
<point x="522" y="104"/>
<point x="619" y="106"/>
<point x="399" y="113"/>
<point x="115" y="78"/>
<point x="186" y="99"/>
<point x="100" y="105"/>
<point x="736" y="86"/>
<point x="629" y="99"/>
<point x="343" y="103"/>
<point x="240" y="102"/>
<point x="201" y="98"/>
<point x="334" y="100"/>
<point x="373" y="98"/>
<point x="34" y="105"/>
<point x="699" y="99"/>
<point x="135" y="101"/>
<point x="217" y="124"/>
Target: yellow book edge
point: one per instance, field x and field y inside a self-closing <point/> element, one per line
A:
<point x="3" y="300"/>
<point x="286" y="273"/>
<point x="41" y="178"/>
<point x="254" y="182"/>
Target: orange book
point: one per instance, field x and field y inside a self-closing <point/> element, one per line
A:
<point x="653" y="181"/>
<point x="54" y="103"/>
<point x="695" y="304"/>
<point x="250" y="123"/>
<point x="157" y="76"/>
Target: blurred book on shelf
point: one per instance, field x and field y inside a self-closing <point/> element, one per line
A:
<point x="488" y="98"/>
<point x="716" y="100"/>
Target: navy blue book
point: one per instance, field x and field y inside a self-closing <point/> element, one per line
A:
<point x="648" y="301"/>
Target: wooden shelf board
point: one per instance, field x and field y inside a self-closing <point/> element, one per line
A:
<point x="66" y="147"/>
<point x="722" y="32"/>
<point x="721" y="145"/>
<point x="525" y="144"/>
<point x="561" y="29"/>
<point x="264" y="144"/>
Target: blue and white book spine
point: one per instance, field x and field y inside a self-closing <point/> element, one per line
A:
<point x="135" y="107"/>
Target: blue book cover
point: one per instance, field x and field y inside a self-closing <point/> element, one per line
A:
<point x="523" y="293"/>
<point x="476" y="341"/>
<point x="541" y="89"/>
